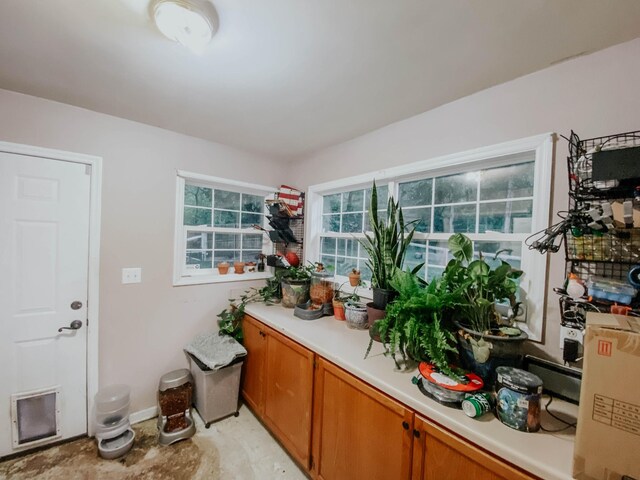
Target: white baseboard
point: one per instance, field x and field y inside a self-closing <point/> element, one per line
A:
<point x="142" y="415"/>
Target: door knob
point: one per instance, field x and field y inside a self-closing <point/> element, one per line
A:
<point x="75" y="325"/>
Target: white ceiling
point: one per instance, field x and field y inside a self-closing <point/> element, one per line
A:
<point x="286" y="77"/>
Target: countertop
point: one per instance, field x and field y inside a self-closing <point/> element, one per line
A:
<point x="546" y="455"/>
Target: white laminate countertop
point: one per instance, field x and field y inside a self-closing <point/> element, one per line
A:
<point x="546" y="455"/>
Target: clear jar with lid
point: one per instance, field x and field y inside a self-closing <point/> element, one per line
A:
<point x="322" y="283"/>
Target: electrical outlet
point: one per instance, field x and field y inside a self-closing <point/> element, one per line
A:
<point x="132" y="275"/>
<point x="571" y="334"/>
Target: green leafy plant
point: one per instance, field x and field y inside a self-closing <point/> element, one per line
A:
<point x="480" y="285"/>
<point x="414" y="327"/>
<point x="386" y="244"/>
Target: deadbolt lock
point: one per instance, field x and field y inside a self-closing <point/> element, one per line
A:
<point x="76" y="305"/>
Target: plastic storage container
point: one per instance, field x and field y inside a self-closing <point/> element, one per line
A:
<point x="216" y="391"/>
<point x="112" y="405"/>
<point x="611" y="290"/>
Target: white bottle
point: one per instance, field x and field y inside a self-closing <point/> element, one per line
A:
<point x="575" y="287"/>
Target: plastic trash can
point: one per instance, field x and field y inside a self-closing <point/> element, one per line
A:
<point x="216" y="391"/>
<point x="215" y="362"/>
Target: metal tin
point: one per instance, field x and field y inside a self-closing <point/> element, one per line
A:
<point x="518" y="398"/>
<point x="477" y="404"/>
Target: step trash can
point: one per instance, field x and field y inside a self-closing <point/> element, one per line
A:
<point x="215" y="362"/>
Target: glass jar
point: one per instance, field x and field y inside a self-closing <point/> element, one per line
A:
<point x="321" y="290"/>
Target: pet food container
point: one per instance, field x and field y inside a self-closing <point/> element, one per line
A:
<point x="174" y="404"/>
<point x="518" y="398"/>
<point x="321" y="290"/>
<point x="112" y="405"/>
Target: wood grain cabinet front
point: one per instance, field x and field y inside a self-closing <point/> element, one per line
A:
<point x="278" y="386"/>
<point x="358" y="433"/>
<point x="440" y="455"/>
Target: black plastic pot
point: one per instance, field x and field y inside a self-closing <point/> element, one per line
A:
<point x="382" y="297"/>
<point x="504" y="351"/>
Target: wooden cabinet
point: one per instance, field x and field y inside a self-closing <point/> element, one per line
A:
<point x="278" y="386"/>
<point x="440" y="455"/>
<point x="357" y="431"/>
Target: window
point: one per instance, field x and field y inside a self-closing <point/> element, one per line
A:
<point x="215" y="221"/>
<point x="497" y="196"/>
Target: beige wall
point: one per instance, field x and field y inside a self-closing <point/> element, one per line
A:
<point x="143" y="327"/>
<point x="594" y="95"/>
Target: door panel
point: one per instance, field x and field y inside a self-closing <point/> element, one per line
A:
<point x="44" y="241"/>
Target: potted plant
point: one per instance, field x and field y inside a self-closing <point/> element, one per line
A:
<point x="354" y="277"/>
<point x="340" y="299"/>
<point x="414" y="327"/>
<point x="486" y="339"/>
<point x="386" y="246"/>
<point x="295" y="285"/>
<point x="223" y="268"/>
<point x="356" y="315"/>
<point x="238" y="267"/>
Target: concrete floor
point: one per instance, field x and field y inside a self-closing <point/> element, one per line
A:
<point x="248" y="451"/>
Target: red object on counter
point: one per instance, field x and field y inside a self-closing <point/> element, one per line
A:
<point x="292" y="258"/>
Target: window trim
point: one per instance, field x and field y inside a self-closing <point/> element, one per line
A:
<point x="483" y="157"/>
<point x="180" y="277"/>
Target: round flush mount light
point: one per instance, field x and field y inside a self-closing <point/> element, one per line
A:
<point x="192" y="23"/>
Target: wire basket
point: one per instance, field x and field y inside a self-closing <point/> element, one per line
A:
<point x="616" y="246"/>
<point x="582" y="186"/>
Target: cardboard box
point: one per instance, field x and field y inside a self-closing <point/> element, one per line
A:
<point x="608" y="436"/>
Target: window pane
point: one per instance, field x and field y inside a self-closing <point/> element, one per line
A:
<point x="438" y="253"/>
<point x="199" y="240"/>
<point x="345" y="265"/>
<point x="383" y="197"/>
<point x="331" y="223"/>
<point x="507" y="182"/>
<point x="434" y="272"/>
<point x="197" y="196"/>
<point x="347" y="247"/>
<point x="250" y="255"/>
<point x="328" y="245"/>
<point x="226" y="219"/>
<point x="331" y="203"/>
<point x="416" y="254"/>
<point x="416" y="193"/>
<point x="353" y="201"/>
<point x="249" y="219"/>
<point x="456" y="188"/>
<point x="352" y="222"/>
<point x="453" y="219"/>
<point x="252" y="242"/>
<point x="199" y="259"/>
<point x="365" y="273"/>
<point x="225" y="256"/>
<point x="229" y="241"/>
<point x="227" y="200"/>
<point x="423" y="215"/>
<point x="251" y="203"/>
<point x="329" y="262"/>
<point x="197" y="216"/>
<point x="512" y="252"/>
<point x="382" y="217"/>
<point x="506" y="217"/>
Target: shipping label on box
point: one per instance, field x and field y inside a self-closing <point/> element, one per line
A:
<point x="608" y="435"/>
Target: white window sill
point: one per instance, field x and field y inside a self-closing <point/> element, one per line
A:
<point x="229" y="277"/>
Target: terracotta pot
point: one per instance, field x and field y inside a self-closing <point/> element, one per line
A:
<point x="223" y="268"/>
<point x="354" y="279"/>
<point x="338" y="310"/>
<point x="238" y="267"/>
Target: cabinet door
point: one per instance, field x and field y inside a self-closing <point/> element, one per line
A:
<point x="253" y="375"/>
<point x="358" y="432"/>
<point x="440" y="455"/>
<point x="289" y="395"/>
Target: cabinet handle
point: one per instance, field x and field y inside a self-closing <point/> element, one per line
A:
<point x="405" y="425"/>
<point x="262" y="334"/>
<point x="416" y="433"/>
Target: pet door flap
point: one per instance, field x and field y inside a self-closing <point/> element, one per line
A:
<point x="35" y="417"/>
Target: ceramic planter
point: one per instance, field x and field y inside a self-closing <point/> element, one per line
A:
<point x="356" y="316"/>
<point x="294" y="292"/>
<point x="223" y="268"/>
<point x="382" y="297"/>
<point x="338" y="310"/>
<point x="482" y="354"/>
<point x="238" y="267"/>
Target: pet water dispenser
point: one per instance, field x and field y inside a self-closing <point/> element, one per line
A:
<point x="174" y="405"/>
<point x="113" y="430"/>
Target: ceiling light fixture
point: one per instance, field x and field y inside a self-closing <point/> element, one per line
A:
<point x="191" y="23"/>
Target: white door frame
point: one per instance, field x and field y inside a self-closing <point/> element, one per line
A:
<point x="93" y="275"/>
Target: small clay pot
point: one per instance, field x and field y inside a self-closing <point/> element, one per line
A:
<point x="354" y="279"/>
<point x="238" y="267"/>
<point x="223" y="268"/>
<point x="338" y="310"/>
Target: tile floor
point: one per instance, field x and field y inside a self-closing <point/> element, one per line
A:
<point x="248" y="451"/>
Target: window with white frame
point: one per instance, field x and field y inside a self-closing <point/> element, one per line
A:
<point x="215" y="221"/>
<point x="497" y="196"/>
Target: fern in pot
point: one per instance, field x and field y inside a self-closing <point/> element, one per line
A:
<point x="486" y="339"/>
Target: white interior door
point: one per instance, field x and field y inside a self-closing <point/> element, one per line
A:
<point x="44" y="242"/>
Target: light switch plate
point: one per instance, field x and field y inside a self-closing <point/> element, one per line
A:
<point x="132" y="275"/>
